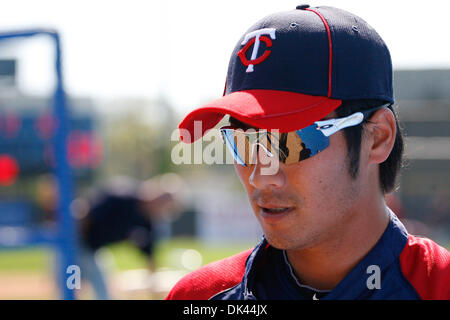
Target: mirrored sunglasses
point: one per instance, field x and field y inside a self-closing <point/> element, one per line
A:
<point x="290" y="147"/>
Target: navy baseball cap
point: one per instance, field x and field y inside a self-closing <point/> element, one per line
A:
<point x="292" y="68"/>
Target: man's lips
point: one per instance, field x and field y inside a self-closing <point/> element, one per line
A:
<point x="274" y="212"/>
<point x="273" y="205"/>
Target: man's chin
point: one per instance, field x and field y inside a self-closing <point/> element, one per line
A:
<point x="281" y="243"/>
<point x="286" y="242"/>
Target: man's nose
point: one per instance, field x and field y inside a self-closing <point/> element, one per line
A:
<point x="267" y="173"/>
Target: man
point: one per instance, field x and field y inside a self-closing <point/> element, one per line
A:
<point x="310" y="90"/>
<point x="124" y="210"/>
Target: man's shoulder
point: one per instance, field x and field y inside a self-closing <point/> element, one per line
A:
<point x="211" y="279"/>
<point x="426" y="265"/>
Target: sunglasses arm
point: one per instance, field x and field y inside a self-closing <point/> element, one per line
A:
<point x="331" y="126"/>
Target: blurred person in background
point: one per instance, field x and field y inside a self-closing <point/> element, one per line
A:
<point x="124" y="210"/>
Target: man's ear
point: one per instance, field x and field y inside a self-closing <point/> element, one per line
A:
<point x="381" y="132"/>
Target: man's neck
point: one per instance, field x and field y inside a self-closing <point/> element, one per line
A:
<point x="325" y="265"/>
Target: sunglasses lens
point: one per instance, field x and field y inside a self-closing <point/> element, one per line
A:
<point x="314" y="141"/>
<point x="293" y="148"/>
<point x="290" y="147"/>
<point x="242" y="145"/>
<point x="230" y="142"/>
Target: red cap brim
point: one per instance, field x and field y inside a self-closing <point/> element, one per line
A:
<point x="265" y="109"/>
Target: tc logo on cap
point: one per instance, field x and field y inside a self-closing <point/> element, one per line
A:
<point x="255" y="37"/>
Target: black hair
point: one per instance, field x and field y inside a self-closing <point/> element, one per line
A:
<point x="390" y="168"/>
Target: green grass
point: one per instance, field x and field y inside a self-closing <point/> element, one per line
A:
<point x="27" y="259"/>
<point x="168" y="254"/>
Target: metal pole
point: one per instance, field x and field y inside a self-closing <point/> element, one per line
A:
<point x="67" y="233"/>
<point x="66" y="236"/>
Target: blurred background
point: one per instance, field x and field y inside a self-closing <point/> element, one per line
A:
<point x="117" y="206"/>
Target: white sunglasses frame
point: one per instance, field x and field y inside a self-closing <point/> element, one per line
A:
<point x="331" y="126"/>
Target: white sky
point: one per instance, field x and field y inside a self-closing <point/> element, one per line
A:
<point x="140" y="49"/>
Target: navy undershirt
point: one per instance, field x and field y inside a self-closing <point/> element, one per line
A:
<point x="277" y="279"/>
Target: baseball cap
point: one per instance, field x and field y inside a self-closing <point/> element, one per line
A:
<point x="292" y="68"/>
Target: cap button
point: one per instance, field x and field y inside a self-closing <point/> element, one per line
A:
<point x="302" y="7"/>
